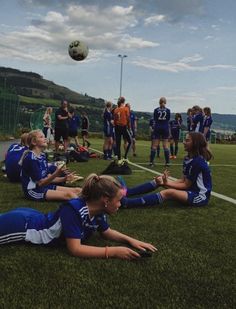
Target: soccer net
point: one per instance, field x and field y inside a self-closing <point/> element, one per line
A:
<point x="9" y="111"/>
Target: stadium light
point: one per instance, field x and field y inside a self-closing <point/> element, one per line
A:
<point x="121" y="70"/>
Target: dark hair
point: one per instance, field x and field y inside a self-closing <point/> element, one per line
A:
<point x="121" y="100"/>
<point x="178" y="115"/>
<point x="200" y="146"/>
<point x="96" y="187"/>
<point x="207" y="111"/>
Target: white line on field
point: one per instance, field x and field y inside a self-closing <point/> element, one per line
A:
<point x="220" y="196"/>
<point x="179" y="164"/>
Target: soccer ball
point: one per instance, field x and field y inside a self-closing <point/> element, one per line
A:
<point x="78" y="50"/>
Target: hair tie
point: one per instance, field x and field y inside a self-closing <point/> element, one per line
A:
<point x="97" y="178"/>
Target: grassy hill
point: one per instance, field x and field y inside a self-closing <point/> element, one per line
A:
<point x="35" y="92"/>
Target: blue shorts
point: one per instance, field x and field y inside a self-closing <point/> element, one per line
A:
<point x="174" y="136"/>
<point x="13" y="224"/>
<point x="108" y="131"/>
<point x="195" y="199"/>
<point x="161" y="133"/>
<point x="39" y="193"/>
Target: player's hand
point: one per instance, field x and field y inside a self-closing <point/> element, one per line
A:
<point x="165" y="176"/>
<point x="123" y="253"/>
<point x="69" y="177"/>
<point x="140" y="245"/>
<point x="159" y="180"/>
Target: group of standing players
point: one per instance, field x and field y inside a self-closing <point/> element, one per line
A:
<point x="168" y="131"/>
<point x="118" y="122"/>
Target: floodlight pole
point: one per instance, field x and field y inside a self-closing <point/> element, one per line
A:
<point x="121" y="70"/>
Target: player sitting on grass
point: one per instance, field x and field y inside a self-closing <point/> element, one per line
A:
<point x="75" y="221"/>
<point x="194" y="188"/>
<point x="37" y="182"/>
<point x="13" y="155"/>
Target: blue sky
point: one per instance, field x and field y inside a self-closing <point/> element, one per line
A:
<point x="181" y="49"/>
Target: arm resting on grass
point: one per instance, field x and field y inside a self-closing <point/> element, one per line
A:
<point x="119" y="237"/>
<point x="77" y="249"/>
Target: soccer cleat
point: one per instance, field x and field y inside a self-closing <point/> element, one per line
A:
<point x="167" y="164"/>
<point x="151" y="164"/>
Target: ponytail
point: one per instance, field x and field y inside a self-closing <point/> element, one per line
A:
<point x="96" y="187"/>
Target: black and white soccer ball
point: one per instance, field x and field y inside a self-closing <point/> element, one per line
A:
<point x="78" y="50"/>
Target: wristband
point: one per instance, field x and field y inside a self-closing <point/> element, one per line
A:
<point x="106" y="252"/>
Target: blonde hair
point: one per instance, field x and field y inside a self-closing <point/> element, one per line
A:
<point x="96" y="187"/>
<point x="23" y="139"/>
<point x="32" y="135"/>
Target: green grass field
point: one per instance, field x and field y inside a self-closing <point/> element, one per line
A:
<point x="193" y="268"/>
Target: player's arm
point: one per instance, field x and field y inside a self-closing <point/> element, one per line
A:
<point x="76" y="248"/>
<point x="122" y="238"/>
<point x="54" y="177"/>
<point x="179" y="184"/>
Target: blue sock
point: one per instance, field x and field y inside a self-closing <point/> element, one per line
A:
<point x="143" y="188"/>
<point x="109" y="153"/>
<point x="105" y="154"/>
<point x="176" y="150"/>
<point x="146" y="200"/>
<point x="158" y="151"/>
<point x="171" y="150"/>
<point x="152" y="154"/>
<point x="167" y="155"/>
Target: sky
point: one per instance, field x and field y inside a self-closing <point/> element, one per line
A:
<point x="184" y="50"/>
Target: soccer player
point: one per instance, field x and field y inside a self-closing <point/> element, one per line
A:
<point x="75" y="221"/>
<point x="189" y="119"/>
<point x="161" y="131"/>
<point x="108" y="130"/>
<point x="122" y="124"/>
<point x="133" y="129"/>
<point x="74" y="123"/>
<point x="197" y="119"/>
<point x="85" y="129"/>
<point x="14" y="153"/>
<point x="194" y="188"/>
<point x="175" y="126"/>
<point x="47" y="125"/>
<point x="37" y="182"/>
<point x="207" y="123"/>
<point x="61" y="125"/>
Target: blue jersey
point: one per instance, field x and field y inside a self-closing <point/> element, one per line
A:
<point x="107" y="123"/>
<point x="133" y="119"/>
<point x="197" y="125"/>
<point x="197" y="171"/>
<point x="189" y="123"/>
<point x="71" y="220"/>
<point x="161" y="117"/>
<point x="34" y="168"/>
<point x="175" y="126"/>
<point x="207" y="124"/>
<point x="13" y="169"/>
<point x="74" y="123"/>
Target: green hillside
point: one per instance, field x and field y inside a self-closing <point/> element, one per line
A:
<point x="36" y="93"/>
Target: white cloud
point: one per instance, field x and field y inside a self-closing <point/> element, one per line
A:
<point x="182" y="65"/>
<point x="101" y="29"/>
<point x="155" y="19"/>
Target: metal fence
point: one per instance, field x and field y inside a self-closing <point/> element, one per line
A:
<point x="9" y="111"/>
